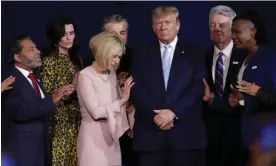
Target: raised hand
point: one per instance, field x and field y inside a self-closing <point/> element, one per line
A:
<point x="235" y="97"/>
<point x="207" y="93"/>
<point x="5" y="85"/>
<point x="62" y="91"/>
<point x="126" y="90"/>
<point x="122" y="78"/>
<point x="248" y="88"/>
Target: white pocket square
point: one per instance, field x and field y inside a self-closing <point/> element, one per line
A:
<point x="235" y="62"/>
<point x="182" y="52"/>
<point x="254" y="67"/>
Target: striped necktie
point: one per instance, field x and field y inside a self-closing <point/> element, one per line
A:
<point x="219" y="75"/>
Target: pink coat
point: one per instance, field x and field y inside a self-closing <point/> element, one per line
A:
<point x="103" y="119"/>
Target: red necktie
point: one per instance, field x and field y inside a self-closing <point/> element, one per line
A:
<point x="36" y="89"/>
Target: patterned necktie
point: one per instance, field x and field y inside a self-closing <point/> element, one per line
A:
<point x="219" y="75"/>
<point x="166" y="64"/>
<point x="35" y="86"/>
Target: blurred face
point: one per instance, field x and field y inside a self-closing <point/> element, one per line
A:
<point x="119" y="28"/>
<point x="166" y="27"/>
<point x="30" y="55"/>
<point x="243" y="33"/>
<point x="114" y="62"/>
<point x="66" y="42"/>
<point x="220" y="28"/>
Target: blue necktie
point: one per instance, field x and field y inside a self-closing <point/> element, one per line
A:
<point x="166" y="64"/>
<point x="219" y="75"/>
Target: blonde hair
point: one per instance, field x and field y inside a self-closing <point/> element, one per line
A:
<point x="164" y="10"/>
<point x="104" y="46"/>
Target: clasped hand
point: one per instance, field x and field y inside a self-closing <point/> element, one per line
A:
<point x="164" y="119"/>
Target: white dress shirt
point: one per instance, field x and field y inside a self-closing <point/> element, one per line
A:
<point x="240" y="75"/>
<point x="170" y="50"/>
<point x="227" y="51"/>
<point x="26" y="73"/>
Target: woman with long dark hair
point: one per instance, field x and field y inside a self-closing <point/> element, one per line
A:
<point x="60" y="67"/>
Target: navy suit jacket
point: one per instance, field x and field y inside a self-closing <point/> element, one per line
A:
<point x="183" y="96"/>
<point x="261" y="70"/>
<point x="25" y="122"/>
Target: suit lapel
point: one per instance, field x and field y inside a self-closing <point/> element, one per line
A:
<point x="253" y="66"/>
<point x="41" y="85"/>
<point x="176" y="65"/>
<point x="39" y="82"/>
<point x="24" y="82"/>
<point x="236" y="61"/>
<point x="209" y="65"/>
<point x="156" y="61"/>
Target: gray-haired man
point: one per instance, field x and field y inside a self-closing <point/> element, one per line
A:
<point x="222" y="121"/>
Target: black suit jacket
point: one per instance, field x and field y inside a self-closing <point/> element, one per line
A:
<point x="237" y="58"/>
<point x="183" y="96"/>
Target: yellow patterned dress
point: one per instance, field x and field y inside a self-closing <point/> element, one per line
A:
<point x="57" y="71"/>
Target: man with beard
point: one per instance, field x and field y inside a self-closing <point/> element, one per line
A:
<point x="26" y="109"/>
<point x="223" y="62"/>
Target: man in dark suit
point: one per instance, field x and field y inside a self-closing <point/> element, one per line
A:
<point x="25" y="108"/>
<point x="223" y="64"/>
<point x="168" y="74"/>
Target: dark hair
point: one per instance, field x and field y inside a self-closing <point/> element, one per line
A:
<point x="256" y="19"/>
<point x="15" y="46"/>
<point x="114" y="18"/>
<point x="54" y="32"/>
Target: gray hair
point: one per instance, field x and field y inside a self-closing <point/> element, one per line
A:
<point x="223" y="10"/>
<point x="115" y="18"/>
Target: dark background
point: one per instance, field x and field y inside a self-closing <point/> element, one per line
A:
<point x="32" y="17"/>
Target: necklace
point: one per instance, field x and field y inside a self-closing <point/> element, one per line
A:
<point x="104" y="76"/>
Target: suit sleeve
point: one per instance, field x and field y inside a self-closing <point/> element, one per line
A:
<point x="21" y="110"/>
<point x="269" y="99"/>
<point x="191" y="100"/>
<point x="138" y="96"/>
<point x="268" y="96"/>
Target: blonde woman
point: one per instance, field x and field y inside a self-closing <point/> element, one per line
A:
<point x="102" y="104"/>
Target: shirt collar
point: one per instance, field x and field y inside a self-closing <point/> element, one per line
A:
<point x="124" y="50"/>
<point x="23" y="71"/>
<point x="226" y="51"/>
<point x="172" y="44"/>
